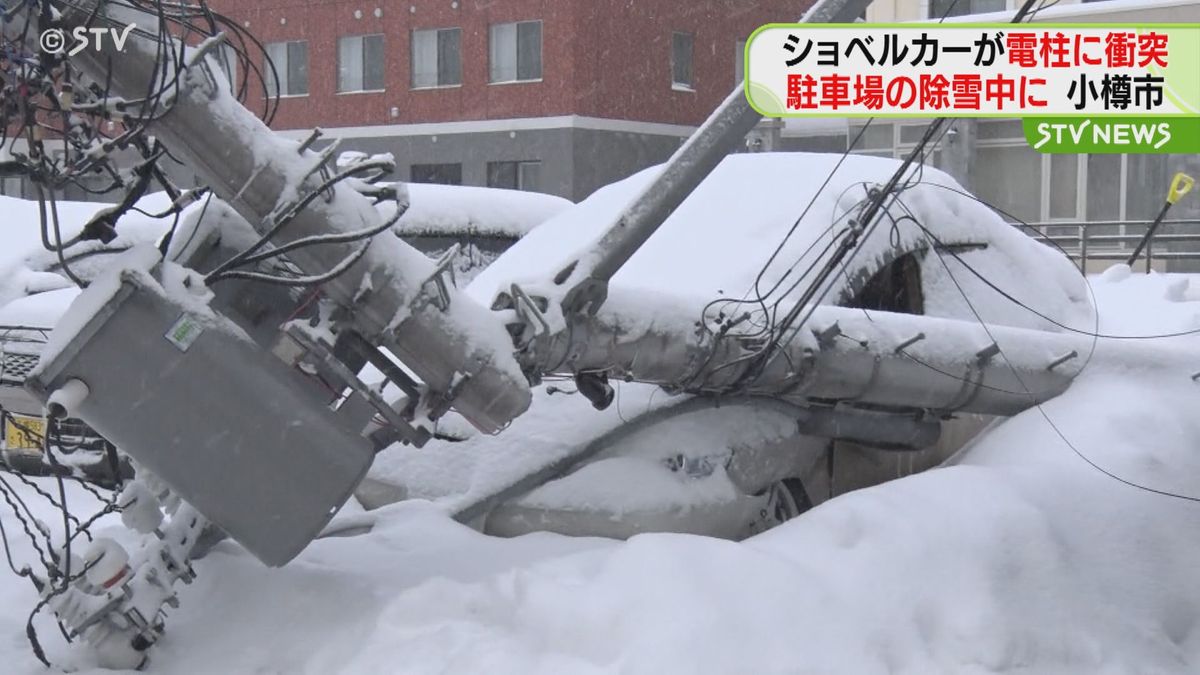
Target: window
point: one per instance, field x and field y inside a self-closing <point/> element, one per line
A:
<point x="445" y="174"/>
<point x="436" y="58"/>
<point x="291" y="67"/>
<point x="739" y="61"/>
<point x="1010" y="178"/>
<point x="877" y="136"/>
<point x="1103" y="175"/>
<point x="894" y="288"/>
<point x="515" y="175"/>
<point x="945" y="8"/>
<point x="1064" y="187"/>
<point x="10" y="187"/>
<point x="1145" y="179"/>
<point x="516" y="51"/>
<point x="681" y="60"/>
<point x="360" y="63"/>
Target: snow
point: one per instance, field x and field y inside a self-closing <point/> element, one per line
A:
<point x="714" y="244"/>
<point x="626" y="479"/>
<point x="465" y="471"/>
<point x="726" y="231"/>
<point x="457" y="210"/>
<point x="1019" y="557"/>
<point x="41" y="310"/>
<point x="26" y="268"/>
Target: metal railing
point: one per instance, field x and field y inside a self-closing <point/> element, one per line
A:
<point x="1115" y="240"/>
<point x="20" y="347"/>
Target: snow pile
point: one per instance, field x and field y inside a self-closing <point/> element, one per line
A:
<point x="460" y="472"/>
<point x="457" y="210"/>
<point x="716" y="243"/>
<point x="1019" y="558"/>
<point x="28" y="269"/>
<point x="623" y="475"/>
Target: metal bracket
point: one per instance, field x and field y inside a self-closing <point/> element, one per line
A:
<point x="1062" y="359"/>
<point x="318" y="351"/>
<point x="433" y="289"/>
<point x="528" y="311"/>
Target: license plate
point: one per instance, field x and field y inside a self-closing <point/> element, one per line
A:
<point x="24" y="433"/>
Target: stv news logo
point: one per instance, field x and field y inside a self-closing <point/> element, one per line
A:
<point x="54" y="40"/>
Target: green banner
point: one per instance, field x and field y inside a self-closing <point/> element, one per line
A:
<point x="1113" y="135"/>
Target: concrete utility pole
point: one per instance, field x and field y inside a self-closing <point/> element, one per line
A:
<point x="584" y="278"/>
<point x="390" y="296"/>
<point x="958" y="151"/>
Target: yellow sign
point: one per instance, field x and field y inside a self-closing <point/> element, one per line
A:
<point x="24" y="433"/>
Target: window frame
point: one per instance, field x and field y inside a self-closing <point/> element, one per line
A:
<point x="676" y="84"/>
<point x="518" y="174"/>
<point x="541" y="52"/>
<point x="412" y="168"/>
<point x="739" y="61"/>
<point x="970" y="11"/>
<point x="286" y="91"/>
<point x="412" y="66"/>
<point x="362" y="42"/>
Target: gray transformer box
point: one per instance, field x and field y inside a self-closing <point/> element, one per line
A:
<point x="243" y="437"/>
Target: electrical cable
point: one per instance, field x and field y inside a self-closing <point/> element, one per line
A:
<point x="1016" y="375"/>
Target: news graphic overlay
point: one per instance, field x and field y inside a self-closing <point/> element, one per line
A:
<point x="1077" y="87"/>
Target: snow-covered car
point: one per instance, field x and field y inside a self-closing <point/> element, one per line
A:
<point x="482" y="222"/>
<point x="732" y="467"/>
<point x="35" y="289"/>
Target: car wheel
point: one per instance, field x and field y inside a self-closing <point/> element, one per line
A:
<point x="786" y="499"/>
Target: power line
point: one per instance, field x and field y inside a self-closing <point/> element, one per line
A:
<point x="1033" y="399"/>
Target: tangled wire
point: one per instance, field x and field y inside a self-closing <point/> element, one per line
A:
<point x="61" y="130"/>
<point x="65" y="128"/>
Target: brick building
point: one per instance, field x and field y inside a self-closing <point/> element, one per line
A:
<point x="559" y="96"/>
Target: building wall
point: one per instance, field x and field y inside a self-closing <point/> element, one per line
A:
<point x="601" y="58"/>
<point x="575" y="161"/>
<point x="623" y="70"/>
<point x="474" y="150"/>
<point x="606" y="101"/>
<point x="993" y="160"/>
<point x="1066" y="11"/>
<point x="603" y="157"/>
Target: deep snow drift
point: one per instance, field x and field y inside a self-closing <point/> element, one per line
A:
<point x="1019" y="558"/>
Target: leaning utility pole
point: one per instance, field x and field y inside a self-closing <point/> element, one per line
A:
<point x="584" y="279"/>
<point x="393" y="296"/>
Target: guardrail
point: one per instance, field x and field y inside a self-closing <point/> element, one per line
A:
<point x="20" y="347"/>
<point x="1114" y="240"/>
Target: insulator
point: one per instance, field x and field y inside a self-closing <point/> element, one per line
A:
<point x="140" y="509"/>
<point x="107" y="563"/>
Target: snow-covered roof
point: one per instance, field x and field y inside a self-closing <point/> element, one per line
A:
<point x="721" y="237"/>
<point x="26" y="267"/>
<point x="459" y="209"/>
